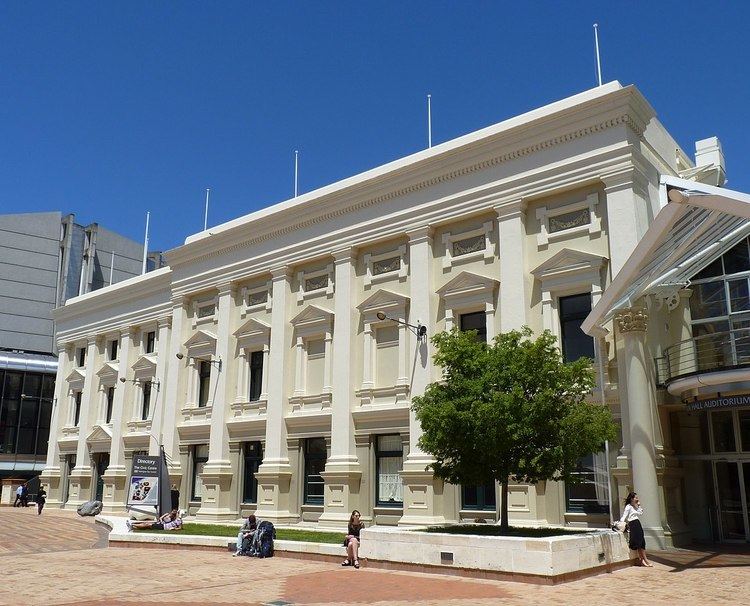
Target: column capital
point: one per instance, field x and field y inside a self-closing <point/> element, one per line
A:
<point x="92" y="340"/>
<point x="511" y="209"/>
<point x="178" y="300"/>
<point x="624" y="177"/>
<point x="282" y="272"/>
<point x="344" y="255"/>
<point x="165" y="322"/>
<point x="632" y="320"/>
<point x="226" y="288"/>
<point x="420" y="234"/>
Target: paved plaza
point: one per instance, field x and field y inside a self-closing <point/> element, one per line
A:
<point x="59" y="558"/>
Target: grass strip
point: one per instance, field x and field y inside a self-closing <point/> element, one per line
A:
<point x="282" y="534"/>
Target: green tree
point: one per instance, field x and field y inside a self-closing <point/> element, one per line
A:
<point x="510" y="410"/>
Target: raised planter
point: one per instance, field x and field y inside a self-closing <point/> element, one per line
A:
<point x="547" y="560"/>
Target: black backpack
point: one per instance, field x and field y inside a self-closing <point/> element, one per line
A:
<point x="266" y="534"/>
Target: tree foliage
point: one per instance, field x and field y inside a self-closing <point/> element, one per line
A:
<point x="510" y="410"/>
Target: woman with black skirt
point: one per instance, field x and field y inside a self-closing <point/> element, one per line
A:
<point x="630" y="516"/>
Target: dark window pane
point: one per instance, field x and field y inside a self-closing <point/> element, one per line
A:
<point x="113" y="345"/>
<point x="78" y="409"/>
<point x="13" y="382"/>
<point x="737" y="259"/>
<point x="32" y="385"/>
<point x="256" y="375"/>
<point x="7" y="439"/>
<point x="739" y="299"/>
<point x="26" y="440"/>
<point x="478" y="497"/>
<point x="575" y="343"/>
<point x="45" y="415"/>
<point x="150" y="342"/>
<point x="723" y="428"/>
<point x="29" y="413"/>
<point x="146" y="400"/>
<point x="315" y="462"/>
<point x="9" y="413"/>
<point x="253" y="459"/>
<point x="710" y="271"/>
<point x="708" y="300"/>
<point x="110" y="403"/>
<point x="48" y="387"/>
<point x="204" y="382"/>
<point x="42" y="440"/>
<point x="744" y="416"/>
<point x="475" y="321"/>
<point x="81" y="356"/>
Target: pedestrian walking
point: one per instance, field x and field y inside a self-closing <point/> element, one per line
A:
<point x="25" y="495"/>
<point x="636" y="540"/>
<point x="41" y="498"/>
<point x="19" y="492"/>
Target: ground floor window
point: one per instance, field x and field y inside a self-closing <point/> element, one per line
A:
<point x="480" y="498"/>
<point x="315" y="462"/>
<point x="200" y="457"/>
<point x="389" y="458"/>
<point x="589" y="493"/>
<point x="253" y="458"/>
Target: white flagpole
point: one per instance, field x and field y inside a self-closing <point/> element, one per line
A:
<point x="296" y="172"/>
<point x="112" y="268"/>
<point x="429" y="120"/>
<point x="205" y="214"/>
<point x="598" y="60"/>
<point x="145" y="245"/>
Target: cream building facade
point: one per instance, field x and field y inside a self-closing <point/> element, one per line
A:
<point x="259" y="361"/>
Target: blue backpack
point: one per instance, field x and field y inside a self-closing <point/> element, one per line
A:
<point x="266" y="533"/>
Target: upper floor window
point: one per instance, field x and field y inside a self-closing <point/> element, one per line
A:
<point x="575" y="343"/>
<point x="77" y="409"/>
<point x="204" y="382"/>
<point x="110" y="404"/>
<point x="150" y="342"/>
<point x="81" y="357"/>
<point x="206" y="311"/>
<point x="146" y="408"/>
<point x="475" y="321"/>
<point x="112" y="350"/>
<point x="256" y="375"/>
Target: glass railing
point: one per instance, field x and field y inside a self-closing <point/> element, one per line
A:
<point x="706" y="353"/>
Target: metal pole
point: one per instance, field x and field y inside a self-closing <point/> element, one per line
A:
<point x="145" y="245"/>
<point x="205" y="214"/>
<point x="600" y="358"/>
<point x="598" y="60"/>
<point x="296" y="171"/>
<point x="429" y="121"/>
<point x="112" y="268"/>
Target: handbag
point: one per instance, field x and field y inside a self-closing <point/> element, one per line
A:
<point x="619" y="526"/>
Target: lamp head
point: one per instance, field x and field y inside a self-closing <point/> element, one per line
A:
<point x="421" y="331"/>
<point x="380" y="315"/>
<point x="122" y="379"/>
<point x="180" y="356"/>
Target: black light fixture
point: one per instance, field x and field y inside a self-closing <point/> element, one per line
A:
<point x="154" y="382"/>
<point x="419" y="330"/>
<point x="217" y="362"/>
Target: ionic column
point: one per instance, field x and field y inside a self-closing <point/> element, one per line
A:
<point x="420" y="486"/>
<point x="51" y="476"/>
<point x="218" y="473"/>
<point x="275" y="473"/>
<point x="514" y="291"/>
<point x="342" y="472"/>
<point x="641" y="400"/>
<point x="115" y="476"/>
<point x="299" y="367"/>
<point x="327" y="362"/>
<point x="242" y="390"/>
<point x="80" y="477"/>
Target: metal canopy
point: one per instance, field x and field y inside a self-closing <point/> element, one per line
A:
<point x="696" y="223"/>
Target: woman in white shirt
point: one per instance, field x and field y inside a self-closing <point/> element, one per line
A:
<point x="637" y="542"/>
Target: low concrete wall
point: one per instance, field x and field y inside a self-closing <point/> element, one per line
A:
<point x="554" y="558"/>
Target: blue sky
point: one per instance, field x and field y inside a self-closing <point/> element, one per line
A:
<point x="111" y="109"/>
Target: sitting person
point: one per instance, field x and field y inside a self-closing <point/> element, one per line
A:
<point x="245" y="535"/>
<point x="169" y="521"/>
<point x="351" y="542"/>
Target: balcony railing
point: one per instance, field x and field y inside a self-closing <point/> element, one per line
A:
<point x="706" y="353"/>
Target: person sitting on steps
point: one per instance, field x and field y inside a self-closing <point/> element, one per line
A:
<point x="245" y="535"/>
<point x="351" y="542"/>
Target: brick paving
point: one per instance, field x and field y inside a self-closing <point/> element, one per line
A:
<point x="59" y="558"/>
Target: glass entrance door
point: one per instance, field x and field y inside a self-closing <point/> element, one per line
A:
<point x="732" y="480"/>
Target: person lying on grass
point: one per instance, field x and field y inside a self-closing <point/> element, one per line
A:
<point x="169" y="521"/>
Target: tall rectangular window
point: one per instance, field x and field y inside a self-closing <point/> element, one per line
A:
<point x="150" y="342"/>
<point x="389" y="457"/>
<point x="77" y="411"/>
<point x="481" y="498"/>
<point x="81" y="357"/>
<point x="204" y="382"/>
<point x="200" y="458"/>
<point x="253" y="459"/>
<point x="256" y="375"/>
<point x="589" y="493"/>
<point x="11" y="406"/>
<point x="110" y="404"/>
<point x="315" y="462"/>
<point x="146" y="408"/>
<point x="475" y="321"/>
<point x="575" y="343"/>
<point x="113" y="345"/>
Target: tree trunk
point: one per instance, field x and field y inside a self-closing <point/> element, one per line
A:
<point x="504" y="505"/>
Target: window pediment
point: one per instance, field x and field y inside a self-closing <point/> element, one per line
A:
<point x="312" y="320"/>
<point x="253" y="332"/>
<point x="76" y="379"/>
<point x="144" y="367"/>
<point x="467" y="285"/>
<point x="202" y="343"/>
<point x="569" y="265"/>
<point x="387" y="301"/>
<point x="99" y="434"/>
<point x="108" y="373"/>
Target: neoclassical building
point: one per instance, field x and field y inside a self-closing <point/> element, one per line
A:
<point x="272" y="359"/>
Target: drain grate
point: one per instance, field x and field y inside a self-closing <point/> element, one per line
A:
<point x="278" y="603"/>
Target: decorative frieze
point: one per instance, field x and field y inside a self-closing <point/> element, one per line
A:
<point x="632" y="320"/>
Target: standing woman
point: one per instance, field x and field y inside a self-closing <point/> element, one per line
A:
<point x="637" y="542"/>
<point x="351" y="542"/>
<point x="41" y="498"/>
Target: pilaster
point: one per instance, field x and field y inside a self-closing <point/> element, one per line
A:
<point x="514" y="291"/>
<point x="173" y="396"/>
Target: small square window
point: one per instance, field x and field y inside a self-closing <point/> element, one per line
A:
<point x="469" y="245"/>
<point x="316" y="283"/>
<point x="206" y="311"/>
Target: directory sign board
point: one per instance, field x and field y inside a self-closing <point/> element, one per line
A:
<point x="144" y="481"/>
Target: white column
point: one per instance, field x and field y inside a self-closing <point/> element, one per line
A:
<point x="174" y="397"/>
<point x="264" y="379"/>
<point x="422" y="504"/>
<point x="299" y="367"/>
<point x="242" y="390"/>
<point x="274" y="474"/>
<point x="218" y="473"/>
<point x="327" y="362"/>
<point x="514" y="290"/>
<point x="403" y="355"/>
<point x="159" y="388"/>
<point x="342" y="473"/>
<point x="640" y="403"/>
<point x="367" y="358"/>
<point x="193" y="367"/>
<point x="627" y="212"/>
